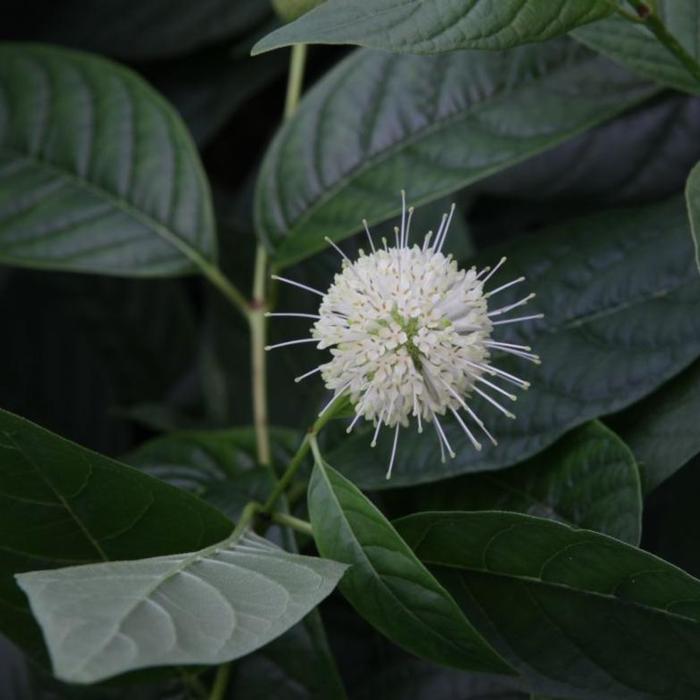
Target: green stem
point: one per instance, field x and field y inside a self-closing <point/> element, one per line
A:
<point x="290" y="521"/>
<point x="258" y="359"/>
<point x="298" y="459"/>
<point x="256" y="313"/>
<point x="650" y="18"/>
<point x="218" y="690"/>
<point x="225" y="286"/>
<point x="297" y="63"/>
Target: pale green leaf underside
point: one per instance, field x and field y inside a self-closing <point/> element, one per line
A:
<point x="435" y="26"/>
<point x="379" y="123"/>
<point x="205" y="607"/>
<point x="633" y="45"/>
<point x="97" y="171"/>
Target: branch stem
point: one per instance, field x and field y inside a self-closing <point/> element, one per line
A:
<point x="290" y="521"/>
<point x="218" y="690"/>
<point x="647" y="14"/>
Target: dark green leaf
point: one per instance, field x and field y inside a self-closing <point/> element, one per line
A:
<point x="620" y="295"/>
<point x="220" y="466"/>
<point x="61" y="504"/>
<point x="655" y="147"/>
<point x="378" y="123"/>
<point x="386" y="584"/>
<point x="422" y="27"/>
<point x="205" y="607"/>
<point x="588" y="479"/>
<point x="573" y="610"/>
<point x="662" y="430"/>
<point x="692" y="195"/>
<point x="97" y="172"/>
<point x="633" y="44"/>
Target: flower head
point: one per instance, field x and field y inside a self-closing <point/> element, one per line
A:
<point x="410" y="337"/>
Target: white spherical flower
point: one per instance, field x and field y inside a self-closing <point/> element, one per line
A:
<point x="410" y="337"/>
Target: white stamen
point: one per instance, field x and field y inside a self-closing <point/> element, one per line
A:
<point x="292" y="342"/>
<point x="517" y="320"/>
<point x="505" y="309"/>
<point x="352" y="425"/>
<point x="495" y="403"/>
<point x="504" y="286"/>
<point x="290" y="315"/>
<point x="308" y="374"/>
<point x="297" y="284"/>
<point x="337" y="395"/>
<point x="474" y="441"/>
<point x="342" y="255"/>
<point x="393" y="451"/>
<point x="443" y="436"/>
<point x="369" y="235"/>
<point x="494" y="270"/>
<point x="497" y="388"/>
<point x="512" y="346"/>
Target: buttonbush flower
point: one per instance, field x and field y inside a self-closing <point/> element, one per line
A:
<point x="411" y="337"/>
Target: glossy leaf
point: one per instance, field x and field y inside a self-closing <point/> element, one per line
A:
<point x="97" y="172"/>
<point x="422" y="27"/>
<point x="61" y="504"/>
<point x="378" y="123"/>
<point x="588" y="479"/>
<point x="575" y="608"/>
<point x="692" y="195"/>
<point x="386" y="584"/>
<point x="203" y="607"/>
<point x="620" y="295"/>
<point x="662" y="430"/>
<point x="633" y="44"/>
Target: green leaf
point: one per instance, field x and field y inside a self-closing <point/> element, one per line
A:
<point x="692" y="196"/>
<point x="203" y="607"/>
<point x="378" y="123"/>
<point x="97" y="172"/>
<point x="576" y="608"/>
<point x="219" y="466"/>
<point x="386" y="584"/>
<point x="422" y="27"/>
<point x="633" y="44"/>
<point x="662" y="429"/>
<point x="620" y="296"/>
<point x="588" y="479"/>
<point x="61" y="504"/>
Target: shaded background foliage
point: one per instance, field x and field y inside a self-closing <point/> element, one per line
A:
<point x="111" y="362"/>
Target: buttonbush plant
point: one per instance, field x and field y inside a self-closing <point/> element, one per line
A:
<point x="467" y="234"/>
